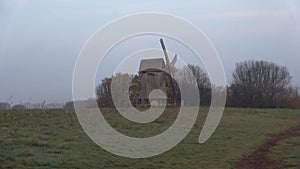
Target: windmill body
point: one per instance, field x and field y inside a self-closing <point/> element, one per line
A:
<point x="153" y="73"/>
<point x="152" y="77"/>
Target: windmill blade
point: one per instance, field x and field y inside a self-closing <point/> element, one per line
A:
<point x="168" y="65"/>
<point x="172" y="64"/>
<point x="174" y="60"/>
<point x="166" y="54"/>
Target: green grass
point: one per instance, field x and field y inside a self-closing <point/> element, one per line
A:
<point x="55" y="139"/>
<point x="287" y="151"/>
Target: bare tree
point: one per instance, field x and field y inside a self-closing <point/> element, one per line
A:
<point x="103" y="92"/>
<point x="259" y="84"/>
<point x="202" y="79"/>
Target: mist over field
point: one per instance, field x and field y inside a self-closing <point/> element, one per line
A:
<point x="40" y="40"/>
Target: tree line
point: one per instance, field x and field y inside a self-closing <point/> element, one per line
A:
<point x="255" y="84"/>
<point x="172" y="89"/>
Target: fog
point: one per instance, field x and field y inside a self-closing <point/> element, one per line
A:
<point x="40" y="40"/>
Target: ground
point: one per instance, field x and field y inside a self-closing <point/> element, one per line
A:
<point x="55" y="139"/>
<point x="273" y="154"/>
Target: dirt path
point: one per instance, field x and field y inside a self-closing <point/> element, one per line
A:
<point x="259" y="160"/>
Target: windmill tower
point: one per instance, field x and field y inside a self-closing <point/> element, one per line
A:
<point x="153" y="73"/>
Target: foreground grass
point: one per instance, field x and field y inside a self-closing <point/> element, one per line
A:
<point x="55" y="139"/>
<point x="287" y="151"/>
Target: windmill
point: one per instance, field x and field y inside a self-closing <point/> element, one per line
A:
<point x="153" y="73"/>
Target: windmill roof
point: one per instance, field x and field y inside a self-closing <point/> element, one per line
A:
<point x="152" y="64"/>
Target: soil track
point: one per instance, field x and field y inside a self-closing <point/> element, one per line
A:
<point x="259" y="159"/>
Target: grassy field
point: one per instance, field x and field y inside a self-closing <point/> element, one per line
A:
<point x="55" y="139"/>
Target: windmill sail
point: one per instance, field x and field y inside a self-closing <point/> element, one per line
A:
<point x="166" y="55"/>
<point x="169" y="65"/>
<point x="174" y="61"/>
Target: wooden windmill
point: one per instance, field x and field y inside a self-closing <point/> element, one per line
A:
<point x="153" y="73"/>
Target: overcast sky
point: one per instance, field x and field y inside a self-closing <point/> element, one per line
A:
<point x="40" y="40"/>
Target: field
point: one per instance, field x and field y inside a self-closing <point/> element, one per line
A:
<point x="55" y="139"/>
